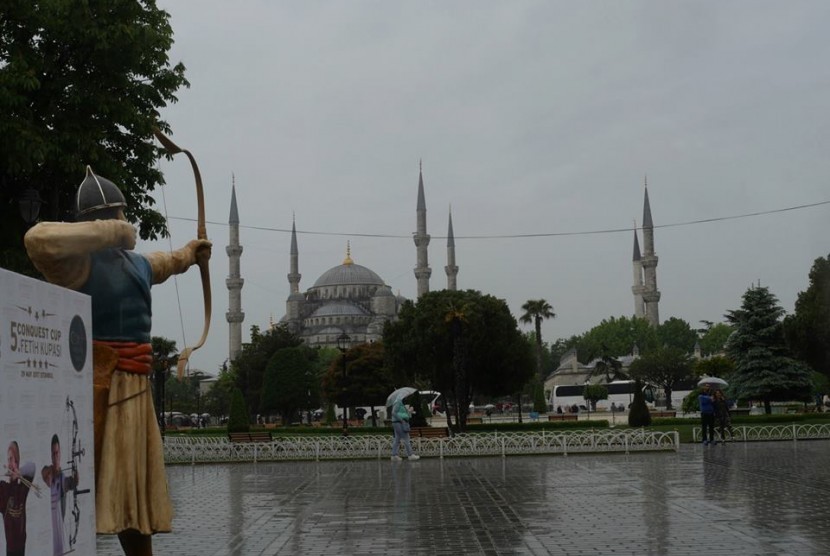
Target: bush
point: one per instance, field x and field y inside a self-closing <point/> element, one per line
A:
<point x="638" y="414"/>
<point x="238" y="418"/>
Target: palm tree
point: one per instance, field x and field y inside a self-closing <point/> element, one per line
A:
<point x="535" y="311"/>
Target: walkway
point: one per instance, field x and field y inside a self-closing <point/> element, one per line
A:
<point x="749" y="499"/>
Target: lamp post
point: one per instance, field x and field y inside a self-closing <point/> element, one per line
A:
<point x="343" y="344"/>
<point x="29" y="204"/>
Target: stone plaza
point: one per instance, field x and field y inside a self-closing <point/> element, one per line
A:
<point x="760" y="498"/>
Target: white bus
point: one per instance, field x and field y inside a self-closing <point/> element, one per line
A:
<point x="620" y="393"/>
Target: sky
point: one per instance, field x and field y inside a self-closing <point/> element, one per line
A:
<point x="530" y="118"/>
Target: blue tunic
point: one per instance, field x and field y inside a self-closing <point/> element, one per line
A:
<point x="119" y="284"/>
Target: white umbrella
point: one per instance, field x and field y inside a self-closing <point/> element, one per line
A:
<point x="712" y="381"/>
<point x="489" y="406"/>
<point x="399" y="394"/>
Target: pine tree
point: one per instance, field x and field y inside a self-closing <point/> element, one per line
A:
<point x="238" y="420"/>
<point x="764" y="369"/>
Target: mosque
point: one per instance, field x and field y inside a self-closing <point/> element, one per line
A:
<point x="348" y="298"/>
<point x="353" y="299"/>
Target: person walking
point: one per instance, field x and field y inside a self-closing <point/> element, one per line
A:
<point x="722" y="415"/>
<point x="400" y="426"/>
<point x="707" y="415"/>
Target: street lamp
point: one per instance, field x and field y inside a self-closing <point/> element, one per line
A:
<point x="343" y="344"/>
<point x="29" y="205"/>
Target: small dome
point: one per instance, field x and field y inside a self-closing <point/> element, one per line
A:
<point x="338" y="308"/>
<point x="348" y="275"/>
<point x="384" y="291"/>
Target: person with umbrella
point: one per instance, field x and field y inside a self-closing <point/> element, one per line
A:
<point x="722" y="415"/>
<point x="400" y="423"/>
<point x="707" y="414"/>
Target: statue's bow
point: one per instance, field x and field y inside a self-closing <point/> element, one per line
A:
<point x="201" y="233"/>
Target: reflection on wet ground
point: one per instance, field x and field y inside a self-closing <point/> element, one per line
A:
<point x="760" y="498"/>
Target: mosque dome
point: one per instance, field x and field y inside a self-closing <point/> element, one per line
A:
<point x="348" y="274"/>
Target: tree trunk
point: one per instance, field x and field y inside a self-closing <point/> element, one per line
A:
<point x="539" y="348"/>
<point x="767" y="406"/>
<point x="520" y="407"/>
<point x="667" y="392"/>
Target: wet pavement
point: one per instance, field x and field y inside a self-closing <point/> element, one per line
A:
<point x="766" y="498"/>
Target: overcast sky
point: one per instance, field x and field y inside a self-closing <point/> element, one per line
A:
<point x="530" y="118"/>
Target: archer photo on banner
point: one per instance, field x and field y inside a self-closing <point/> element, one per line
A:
<point x="47" y="494"/>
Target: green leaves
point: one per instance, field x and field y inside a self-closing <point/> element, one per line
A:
<point x="82" y="83"/>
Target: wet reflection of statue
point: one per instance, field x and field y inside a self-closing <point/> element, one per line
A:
<point x="95" y="256"/>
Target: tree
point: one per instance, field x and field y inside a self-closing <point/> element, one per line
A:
<point x="593" y="393"/>
<point x="72" y="95"/>
<point x="609" y="367"/>
<point x="807" y="331"/>
<point x="763" y="368"/>
<point x="249" y="366"/>
<point x="239" y="418"/>
<point x="559" y="348"/>
<point x="676" y="333"/>
<point x="719" y="366"/>
<point x="535" y="311"/>
<point x="615" y="337"/>
<point x="165" y="357"/>
<point x="638" y="413"/>
<point x="461" y="343"/>
<point x="289" y="380"/>
<point x="367" y="380"/>
<point x="663" y="367"/>
<point x="217" y="400"/>
<point x="713" y="338"/>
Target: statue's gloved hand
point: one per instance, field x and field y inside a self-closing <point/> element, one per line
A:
<point x="201" y="250"/>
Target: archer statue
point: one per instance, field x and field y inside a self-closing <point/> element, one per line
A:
<point x="95" y="256"/>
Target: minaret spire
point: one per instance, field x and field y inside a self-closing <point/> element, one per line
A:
<point x="294" y="269"/>
<point x="421" y="238"/>
<point x="451" y="269"/>
<point x="234" y="282"/>
<point x="651" y="295"/>
<point x="637" y="288"/>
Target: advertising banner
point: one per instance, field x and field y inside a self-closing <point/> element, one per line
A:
<point x="47" y="494"/>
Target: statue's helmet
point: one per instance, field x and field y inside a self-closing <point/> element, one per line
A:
<point x="97" y="193"/>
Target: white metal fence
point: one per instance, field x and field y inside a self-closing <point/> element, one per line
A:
<point x="756" y="433"/>
<point x="195" y="449"/>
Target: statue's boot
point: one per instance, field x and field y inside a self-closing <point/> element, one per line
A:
<point x="135" y="544"/>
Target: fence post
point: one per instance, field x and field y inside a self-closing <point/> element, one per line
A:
<point x="192" y="451"/>
<point x="502" y="448"/>
<point x="795" y="438"/>
<point x="625" y="442"/>
<point x="441" y="448"/>
<point x="676" y="441"/>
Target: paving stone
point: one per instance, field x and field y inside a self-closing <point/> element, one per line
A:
<point x="758" y="498"/>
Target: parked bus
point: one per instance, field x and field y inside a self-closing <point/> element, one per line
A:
<point x="620" y="393"/>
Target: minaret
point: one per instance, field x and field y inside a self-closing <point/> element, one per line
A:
<point x="422" y="270"/>
<point x="295" y="302"/>
<point x="451" y="269"/>
<point x="294" y="273"/>
<point x="637" y="288"/>
<point x="234" y="281"/>
<point x="651" y="296"/>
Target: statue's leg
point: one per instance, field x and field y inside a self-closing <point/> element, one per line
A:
<point x="135" y="544"/>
